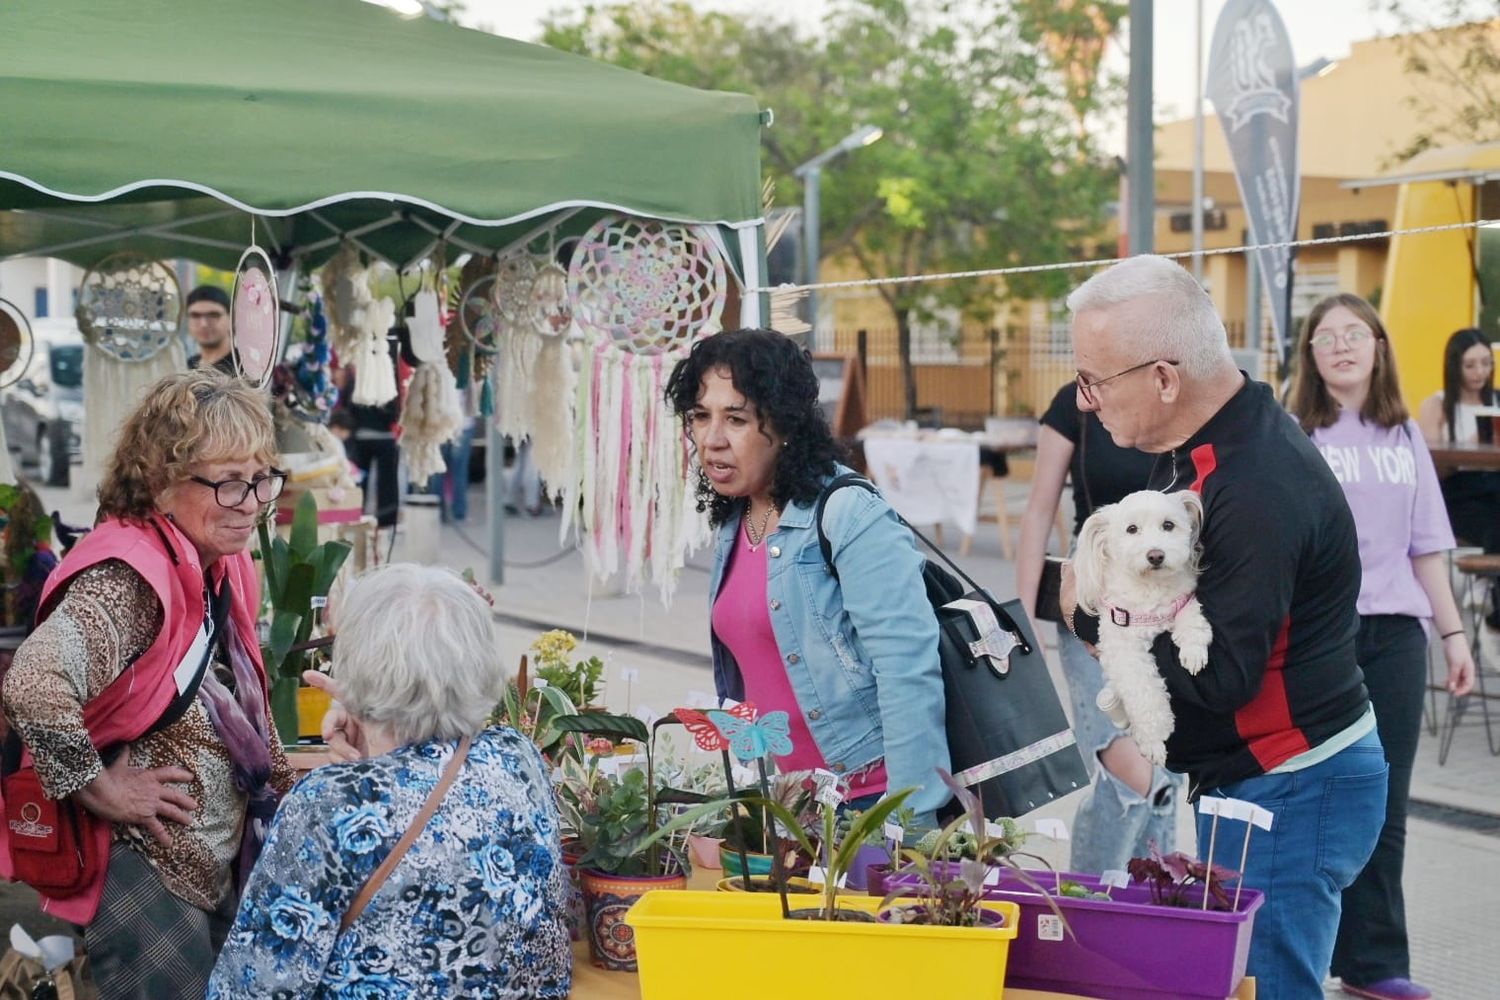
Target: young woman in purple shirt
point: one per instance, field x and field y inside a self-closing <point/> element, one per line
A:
<point x="1346" y="396"/>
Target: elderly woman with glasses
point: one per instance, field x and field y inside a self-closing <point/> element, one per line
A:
<point x="426" y="862"/>
<point x="141" y="699"/>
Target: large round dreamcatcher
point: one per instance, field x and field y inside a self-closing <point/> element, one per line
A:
<point x="16" y="345"/>
<point x="256" y="314"/>
<point x="129" y="306"/>
<point x="649" y="286"/>
<point x="641" y="292"/>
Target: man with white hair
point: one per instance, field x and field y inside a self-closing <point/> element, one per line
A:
<point x="1280" y="717"/>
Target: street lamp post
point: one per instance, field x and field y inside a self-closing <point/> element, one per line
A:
<point x="811" y="175"/>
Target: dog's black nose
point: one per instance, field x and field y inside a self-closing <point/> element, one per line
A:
<point x="1156" y="557"/>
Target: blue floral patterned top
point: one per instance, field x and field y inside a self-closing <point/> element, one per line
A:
<point x="475" y="909"/>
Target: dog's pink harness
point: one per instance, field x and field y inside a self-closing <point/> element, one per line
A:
<point x="1126" y="619"/>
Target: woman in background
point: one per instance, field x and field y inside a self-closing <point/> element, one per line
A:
<point x="1131" y="804"/>
<point x="1346" y="397"/>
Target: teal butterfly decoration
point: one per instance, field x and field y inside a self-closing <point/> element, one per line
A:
<point x="752" y="739"/>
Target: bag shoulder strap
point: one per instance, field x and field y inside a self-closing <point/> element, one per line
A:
<point x="826" y="547"/>
<point x="418" y="824"/>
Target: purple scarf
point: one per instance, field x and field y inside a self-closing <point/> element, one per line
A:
<point x="240" y="720"/>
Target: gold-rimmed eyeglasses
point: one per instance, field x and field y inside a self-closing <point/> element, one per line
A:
<point x="1087" y="388"/>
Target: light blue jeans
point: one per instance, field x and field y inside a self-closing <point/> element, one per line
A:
<point x="1326" y="820"/>
<point x="1114" y="822"/>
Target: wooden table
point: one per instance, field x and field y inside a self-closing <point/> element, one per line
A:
<point x="1451" y="457"/>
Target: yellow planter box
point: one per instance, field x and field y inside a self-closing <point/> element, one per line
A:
<point x="684" y="940"/>
<point x="311" y="704"/>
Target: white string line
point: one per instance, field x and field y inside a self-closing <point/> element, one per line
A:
<point x="1074" y="265"/>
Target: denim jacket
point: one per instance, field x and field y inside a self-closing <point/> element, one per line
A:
<point x="861" y="651"/>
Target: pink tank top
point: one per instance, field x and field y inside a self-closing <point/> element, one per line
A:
<point x="742" y="621"/>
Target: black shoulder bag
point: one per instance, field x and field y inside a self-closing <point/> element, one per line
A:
<point x="1008" y="737"/>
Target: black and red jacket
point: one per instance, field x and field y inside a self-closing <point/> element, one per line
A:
<point x="1279" y="583"/>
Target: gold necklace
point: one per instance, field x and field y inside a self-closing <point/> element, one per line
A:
<point x="764" y="523"/>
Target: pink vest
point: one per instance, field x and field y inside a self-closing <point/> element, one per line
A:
<point x="130" y="705"/>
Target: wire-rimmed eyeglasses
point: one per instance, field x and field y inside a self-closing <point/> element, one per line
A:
<point x="1087" y="388"/>
<point x="232" y="492"/>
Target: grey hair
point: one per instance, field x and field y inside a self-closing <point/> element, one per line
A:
<point x="416" y="653"/>
<point x="1169" y="315"/>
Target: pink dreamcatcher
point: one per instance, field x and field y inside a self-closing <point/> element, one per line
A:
<point x="255" y="313"/>
<point x="642" y="292"/>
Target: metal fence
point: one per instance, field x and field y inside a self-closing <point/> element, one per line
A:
<point x="973" y="372"/>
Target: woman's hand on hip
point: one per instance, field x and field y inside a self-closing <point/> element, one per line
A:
<point x="341" y="732"/>
<point x="139" y="796"/>
<point x="1460" y="664"/>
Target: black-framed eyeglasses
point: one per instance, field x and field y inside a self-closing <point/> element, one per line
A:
<point x="1087" y="388"/>
<point x="232" y="492"/>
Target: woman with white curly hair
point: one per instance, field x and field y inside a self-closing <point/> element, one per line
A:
<point x="376" y="879"/>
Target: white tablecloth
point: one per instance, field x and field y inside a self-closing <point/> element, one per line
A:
<point x="928" y="481"/>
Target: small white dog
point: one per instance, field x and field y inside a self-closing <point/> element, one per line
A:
<point x="1137" y="569"/>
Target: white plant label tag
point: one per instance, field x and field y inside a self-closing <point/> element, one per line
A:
<point x="539" y="682"/>
<point x="318" y="603"/>
<point x="1210" y="806"/>
<point x="1048" y="927"/>
<point x="818" y="876"/>
<point x="1114" y="878"/>
<point x="630" y="674"/>
<point x="1054" y="828"/>
<point x="993" y="829"/>
<point x="894" y="832"/>
<point x="1261" y="817"/>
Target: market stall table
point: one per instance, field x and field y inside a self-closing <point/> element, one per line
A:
<point x="1451" y="457"/>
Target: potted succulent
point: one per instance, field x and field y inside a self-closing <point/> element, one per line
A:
<point x="631" y="833"/>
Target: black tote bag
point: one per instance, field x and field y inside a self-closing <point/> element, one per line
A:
<point x="1008" y="738"/>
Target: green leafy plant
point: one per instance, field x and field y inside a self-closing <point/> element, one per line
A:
<point x="945" y="874"/>
<point x="627" y="824"/>
<point x="26" y="539"/>
<point x="580" y="680"/>
<point x="298" y="571"/>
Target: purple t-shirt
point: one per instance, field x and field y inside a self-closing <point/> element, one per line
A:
<point x="1392" y="489"/>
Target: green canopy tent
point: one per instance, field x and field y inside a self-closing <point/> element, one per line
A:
<point x="164" y="127"/>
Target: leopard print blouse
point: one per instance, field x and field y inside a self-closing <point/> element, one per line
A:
<point x="107" y="618"/>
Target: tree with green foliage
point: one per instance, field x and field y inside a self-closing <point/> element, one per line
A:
<point x="989" y="156"/>
<point x="1451" y="52"/>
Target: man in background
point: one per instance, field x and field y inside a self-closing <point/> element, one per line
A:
<point x="208" y="325"/>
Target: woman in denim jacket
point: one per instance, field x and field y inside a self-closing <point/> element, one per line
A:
<point x="853" y="661"/>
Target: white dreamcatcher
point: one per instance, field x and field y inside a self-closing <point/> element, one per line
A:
<point x="433" y="413"/>
<point x="536" y="373"/>
<point x="642" y="293"/>
<point x="129" y="312"/>
<point x="358" y="324"/>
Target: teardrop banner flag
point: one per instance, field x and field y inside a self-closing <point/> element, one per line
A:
<point x="1252" y="82"/>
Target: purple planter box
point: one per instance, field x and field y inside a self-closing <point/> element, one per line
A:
<point x="1126" y="948"/>
<point x="863" y="859"/>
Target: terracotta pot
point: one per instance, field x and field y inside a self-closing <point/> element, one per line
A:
<point x="607" y="899"/>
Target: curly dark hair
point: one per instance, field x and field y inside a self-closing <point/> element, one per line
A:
<point x="777" y="377"/>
